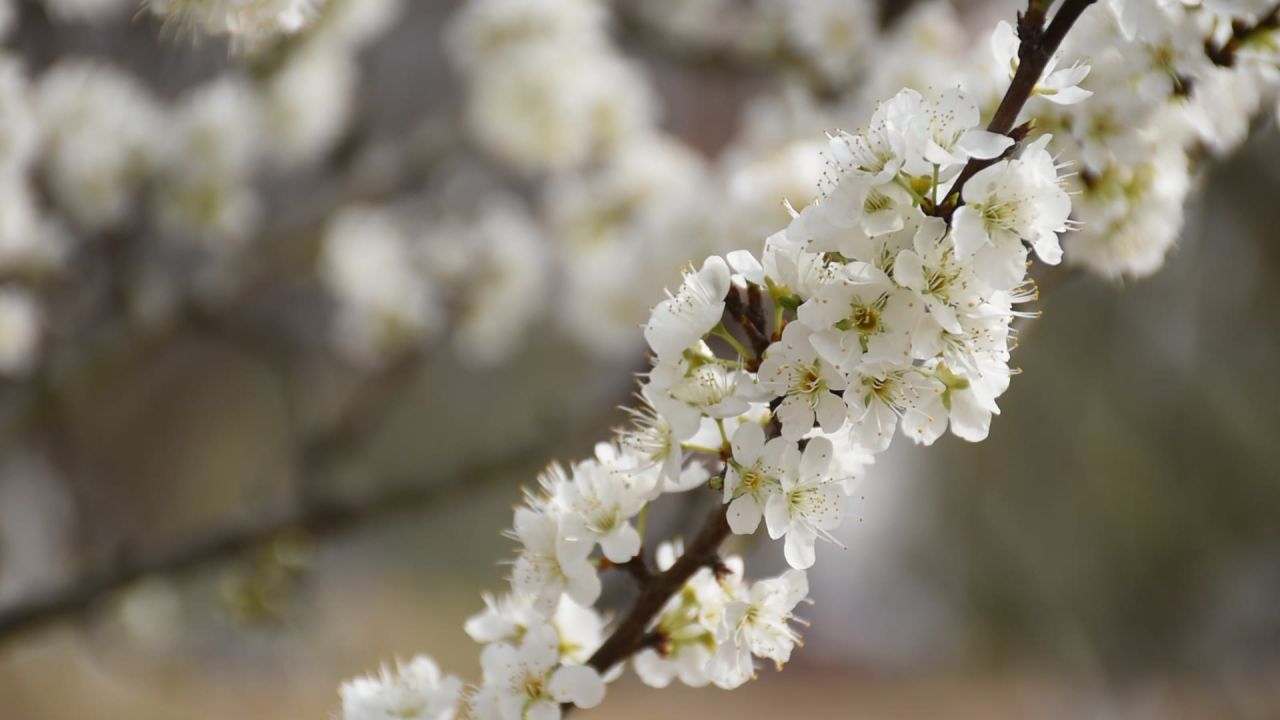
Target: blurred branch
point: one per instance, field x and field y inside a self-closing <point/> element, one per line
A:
<point x="317" y="517"/>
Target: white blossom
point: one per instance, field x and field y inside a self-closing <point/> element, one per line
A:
<point x="879" y="395"/>
<point x="248" y="22"/>
<point x="758" y="625"/>
<point x="808" y="503"/>
<point x="526" y="682"/>
<point x="550" y="562"/>
<point x="598" y="503"/>
<point x="751" y="477"/>
<point x="509" y="617"/>
<point x="384" y="301"/>
<point x="861" y="311"/>
<point x="794" y="371"/>
<point x="412" y="691"/>
<point x="687" y="316"/>
<point x="1005" y="204"/>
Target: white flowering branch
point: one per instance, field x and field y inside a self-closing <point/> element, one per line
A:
<point x="632" y="633"/>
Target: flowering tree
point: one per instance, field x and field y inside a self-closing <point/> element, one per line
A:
<point x="886" y="305"/>
<point x="842" y="291"/>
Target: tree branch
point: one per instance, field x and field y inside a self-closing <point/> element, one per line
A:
<point x="632" y="634"/>
<point x="1038" y="45"/>
<point x="318" y="517"/>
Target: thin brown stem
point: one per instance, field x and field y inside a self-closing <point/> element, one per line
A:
<point x="1037" y="46"/>
<point x="632" y="634"/>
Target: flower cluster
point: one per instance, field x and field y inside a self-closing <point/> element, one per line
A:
<point x="1169" y="81"/>
<point x="480" y="276"/>
<point x="89" y="153"/>
<point x="774" y="381"/>
<point x="547" y="91"/>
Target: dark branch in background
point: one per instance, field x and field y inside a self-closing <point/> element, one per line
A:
<point x="316" y="518"/>
<point x="1224" y="55"/>
<point x="1037" y="46"/>
<point x="107" y="346"/>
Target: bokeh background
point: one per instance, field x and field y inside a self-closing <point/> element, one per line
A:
<point x="219" y="514"/>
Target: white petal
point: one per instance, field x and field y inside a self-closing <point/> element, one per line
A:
<point x="984" y="145"/>
<point x="746" y="265"/>
<point x="715" y="275"/>
<point x="499" y="661"/>
<point x="795" y="416"/>
<point x="799" y="549"/>
<point x="909" y="271"/>
<point x="969" y="419"/>
<point x="744" y="515"/>
<point x="584" y="587"/>
<point x="777" y="517"/>
<point x="540" y="649"/>
<point x="881" y="222"/>
<point x="542" y="710"/>
<point x="968" y="231"/>
<point x="839" y="348"/>
<point x="578" y="684"/>
<point x="622" y="544"/>
<point x="1068" y="95"/>
<point x="831" y="412"/>
<point x="1048" y="249"/>
<point x="653" y="669"/>
<point x="1002" y="266"/>
<point x="817" y="457"/>
<point x="748" y="443"/>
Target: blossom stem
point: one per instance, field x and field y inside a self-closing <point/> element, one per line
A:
<point x="631" y="634"/>
<point x="1037" y="46"/>
<point x="701" y="449"/>
<point x="723" y="333"/>
<point x="724" y="436"/>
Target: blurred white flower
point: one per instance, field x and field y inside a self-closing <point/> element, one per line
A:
<point x="214" y="144"/>
<point x="556" y="108"/>
<point x="308" y="103"/>
<point x="103" y="135"/>
<point x="384" y="302"/>
<point x="412" y="691"/>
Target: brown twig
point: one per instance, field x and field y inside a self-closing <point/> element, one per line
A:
<point x="1224" y="55"/>
<point x="1037" y="46"/>
<point x="632" y="633"/>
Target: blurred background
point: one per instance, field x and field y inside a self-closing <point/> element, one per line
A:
<point x="282" y="335"/>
